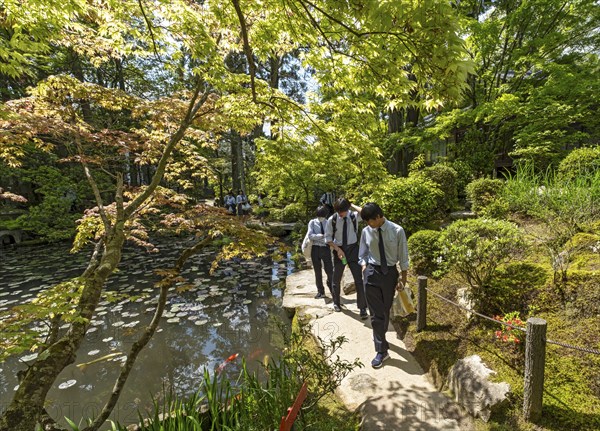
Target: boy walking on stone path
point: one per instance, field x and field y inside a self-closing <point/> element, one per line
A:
<point x="341" y="234"/>
<point x="382" y="245"/>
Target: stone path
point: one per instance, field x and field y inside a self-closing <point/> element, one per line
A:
<point x="397" y="396"/>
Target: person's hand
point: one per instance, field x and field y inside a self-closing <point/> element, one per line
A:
<point x="340" y="253"/>
<point x="400" y="286"/>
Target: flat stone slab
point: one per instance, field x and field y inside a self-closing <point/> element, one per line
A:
<point x="397" y="396"/>
<point x="300" y="290"/>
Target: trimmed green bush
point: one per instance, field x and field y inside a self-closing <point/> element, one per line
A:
<point x="445" y="178"/>
<point x="411" y="201"/>
<point x="580" y="162"/>
<point x="483" y="192"/>
<point x="424" y="250"/>
<point x="475" y="248"/>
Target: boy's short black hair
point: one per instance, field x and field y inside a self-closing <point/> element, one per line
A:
<point x="370" y="211"/>
<point x="341" y="205"/>
<point x="322" y="211"/>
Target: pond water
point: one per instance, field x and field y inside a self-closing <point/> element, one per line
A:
<point x="234" y="310"/>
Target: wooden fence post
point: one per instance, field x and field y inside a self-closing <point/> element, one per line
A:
<point x="535" y="359"/>
<point x="422" y="303"/>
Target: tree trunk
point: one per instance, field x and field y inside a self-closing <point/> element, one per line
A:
<point x="237" y="163"/>
<point x="27" y="405"/>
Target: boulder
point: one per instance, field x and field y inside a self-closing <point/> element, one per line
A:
<point x="468" y="381"/>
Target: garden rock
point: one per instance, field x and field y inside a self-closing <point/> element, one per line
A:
<point x="464" y="298"/>
<point x="468" y="381"/>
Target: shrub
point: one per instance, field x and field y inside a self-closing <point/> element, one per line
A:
<point x="475" y="248"/>
<point x="410" y="201"/>
<point x="290" y="213"/>
<point x="514" y="285"/>
<point x="445" y="178"/>
<point x="424" y="249"/>
<point x="483" y="192"/>
<point x="464" y="175"/>
<point x="580" y="162"/>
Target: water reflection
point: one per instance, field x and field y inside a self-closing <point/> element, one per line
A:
<point x="234" y="310"/>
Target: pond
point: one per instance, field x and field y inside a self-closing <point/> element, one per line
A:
<point x="234" y="310"/>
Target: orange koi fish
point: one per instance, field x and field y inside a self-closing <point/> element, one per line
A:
<point x="226" y="361"/>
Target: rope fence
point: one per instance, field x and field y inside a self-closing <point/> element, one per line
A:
<point x="535" y="348"/>
<point x="520" y="328"/>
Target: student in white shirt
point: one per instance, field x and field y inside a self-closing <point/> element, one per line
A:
<point x="383" y="245"/>
<point x="341" y="234"/>
<point x="320" y="254"/>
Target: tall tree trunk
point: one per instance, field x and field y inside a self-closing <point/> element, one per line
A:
<point x="77" y="70"/>
<point x="237" y="162"/>
<point x="395" y="125"/>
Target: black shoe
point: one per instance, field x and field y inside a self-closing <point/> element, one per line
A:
<point x="377" y="361"/>
<point x="363" y="314"/>
<point x="320" y="295"/>
<point x="337" y="308"/>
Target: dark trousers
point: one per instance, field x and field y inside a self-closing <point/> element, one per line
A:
<point x="351" y="253"/>
<point x="322" y="255"/>
<point x="379" y="290"/>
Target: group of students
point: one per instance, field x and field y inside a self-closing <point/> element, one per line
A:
<point x="237" y="205"/>
<point x="372" y="259"/>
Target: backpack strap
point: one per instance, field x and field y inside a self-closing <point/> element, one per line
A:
<point x="352" y="217"/>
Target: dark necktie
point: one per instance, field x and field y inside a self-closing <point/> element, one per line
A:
<point x="322" y="230"/>
<point x="345" y="233"/>
<point x="384" y="267"/>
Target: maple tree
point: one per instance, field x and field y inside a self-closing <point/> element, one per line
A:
<point x="149" y="85"/>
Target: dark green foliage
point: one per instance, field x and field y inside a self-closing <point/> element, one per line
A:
<point x="514" y="286"/>
<point x="464" y="175"/>
<point x="580" y="162"/>
<point x="483" y="192"/>
<point x="445" y="177"/>
<point x="54" y="217"/>
<point x="410" y="202"/>
<point x="424" y="250"/>
<point x="291" y="213"/>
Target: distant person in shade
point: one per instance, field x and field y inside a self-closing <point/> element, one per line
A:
<point x="328" y="200"/>
<point x="382" y="245"/>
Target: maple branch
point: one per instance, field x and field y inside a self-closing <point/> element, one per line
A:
<point x="194" y="106"/>
<point x="247" y="49"/>
<point x="119" y="196"/>
<point x="94" y="186"/>
<point x="149" y="24"/>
